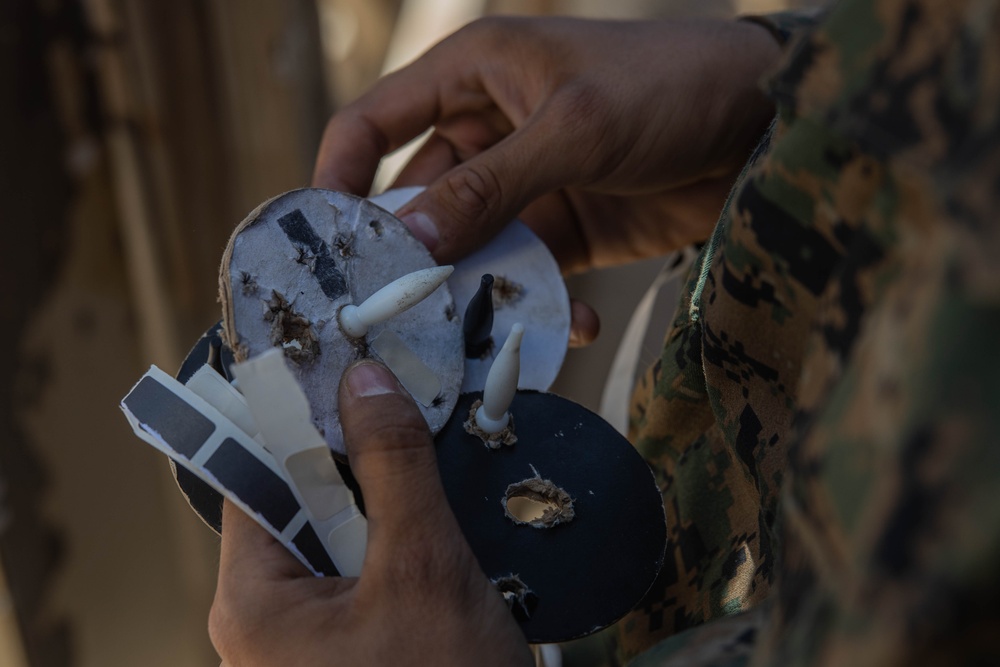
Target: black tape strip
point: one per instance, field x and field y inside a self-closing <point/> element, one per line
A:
<point x="300" y="232"/>
<point x="254" y="483"/>
<point x="180" y="426"/>
<point x="204" y="500"/>
<point x="310" y="546"/>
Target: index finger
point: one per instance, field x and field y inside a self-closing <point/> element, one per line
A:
<point x="397" y="109"/>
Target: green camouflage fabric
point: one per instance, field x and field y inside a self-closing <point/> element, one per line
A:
<point x="724" y="642"/>
<point x="825" y="418"/>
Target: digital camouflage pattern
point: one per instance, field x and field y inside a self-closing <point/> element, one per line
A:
<point x="825" y="417"/>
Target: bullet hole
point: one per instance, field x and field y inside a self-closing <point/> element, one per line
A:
<point x="360" y="344"/>
<point x="506" y="292"/>
<point x="491" y="440"/>
<point x="376" y="228"/>
<point x="248" y="284"/>
<point x="344" y="244"/>
<point x="520" y="599"/>
<point x="290" y="330"/>
<point x="538" y="503"/>
<point x="361" y="348"/>
<point x="304" y="257"/>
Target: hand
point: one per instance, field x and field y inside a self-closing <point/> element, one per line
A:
<point x="421" y="598"/>
<point x="613" y="140"/>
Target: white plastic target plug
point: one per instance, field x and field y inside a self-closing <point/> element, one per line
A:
<point x="399" y="295"/>
<point x="501" y="384"/>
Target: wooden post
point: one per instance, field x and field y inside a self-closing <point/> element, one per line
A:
<point x="211" y="108"/>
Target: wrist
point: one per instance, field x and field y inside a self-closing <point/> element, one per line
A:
<point x="745" y="110"/>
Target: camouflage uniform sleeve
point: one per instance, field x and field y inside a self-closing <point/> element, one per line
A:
<point x="711" y="416"/>
<point x="889" y="512"/>
<point x="824" y="415"/>
<point x="725" y="642"/>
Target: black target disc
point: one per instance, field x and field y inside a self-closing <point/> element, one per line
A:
<point x="585" y="573"/>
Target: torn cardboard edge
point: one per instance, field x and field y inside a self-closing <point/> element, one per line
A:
<point x="520" y="600"/>
<point x="506" y="436"/>
<point x="558" y="505"/>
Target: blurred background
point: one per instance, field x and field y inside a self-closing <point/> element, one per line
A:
<point x="134" y="136"/>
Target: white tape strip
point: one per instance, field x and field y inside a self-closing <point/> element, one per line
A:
<point x="183" y="425"/>
<point x="281" y="411"/>
<point x="412" y="372"/>
<point x="222" y="396"/>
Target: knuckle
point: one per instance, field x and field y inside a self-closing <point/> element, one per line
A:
<point x="384" y="419"/>
<point x="403" y="436"/>
<point x="358" y="117"/>
<point x="489" y="38"/>
<point x="584" y="105"/>
<point x="473" y="192"/>
<point x="407" y="445"/>
<point x="489" y="26"/>
<point x="591" y="124"/>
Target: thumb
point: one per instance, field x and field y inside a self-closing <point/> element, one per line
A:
<point x="392" y="456"/>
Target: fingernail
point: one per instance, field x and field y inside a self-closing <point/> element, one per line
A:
<point x="423" y="228"/>
<point x="371" y="380"/>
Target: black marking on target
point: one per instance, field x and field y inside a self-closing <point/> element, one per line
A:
<point x="254" y="483"/>
<point x="163" y="413"/>
<point x="477" y="325"/>
<point x="310" y="546"/>
<point x="301" y="234"/>
<point x="207" y="502"/>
